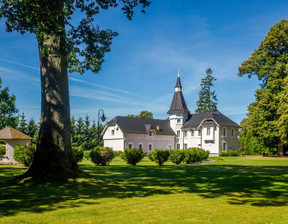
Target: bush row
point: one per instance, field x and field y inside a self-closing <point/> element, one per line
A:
<point x="104" y="155"/>
<point x="178" y="156"/>
<point x="230" y="152"/>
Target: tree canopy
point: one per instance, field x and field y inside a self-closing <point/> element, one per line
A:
<point x="207" y="98"/>
<point x="143" y="114"/>
<point x="8" y="110"/>
<point x="268" y="115"/>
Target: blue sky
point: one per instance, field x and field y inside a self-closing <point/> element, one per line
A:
<point x="141" y="70"/>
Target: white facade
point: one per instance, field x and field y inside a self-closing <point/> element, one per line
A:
<point x="10" y="145"/>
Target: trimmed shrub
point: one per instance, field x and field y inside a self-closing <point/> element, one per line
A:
<point x="24" y="154"/>
<point x="2" y="150"/>
<point x="119" y="153"/>
<point x="193" y="155"/>
<point x="132" y="156"/>
<point x="87" y="155"/>
<point x="77" y="153"/>
<point x="160" y="156"/>
<point x="102" y="155"/>
<point x="150" y="155"/>
<point x="177" y="156"/>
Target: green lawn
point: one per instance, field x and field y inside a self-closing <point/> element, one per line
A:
<point x="229" y="190"/>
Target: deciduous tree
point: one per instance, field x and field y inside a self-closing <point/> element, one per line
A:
<point x="62" y="44"/>
<point x="8" y="110"/>
<point x="267" y="116"/>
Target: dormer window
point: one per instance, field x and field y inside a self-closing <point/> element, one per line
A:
<point x="113" y="132"/>
<point x="178" y="121"/>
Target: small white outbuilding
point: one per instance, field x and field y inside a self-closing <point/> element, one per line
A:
<point x="10" y="137"/>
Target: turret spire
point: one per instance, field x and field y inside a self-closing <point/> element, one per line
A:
<point x="178" y="105"/>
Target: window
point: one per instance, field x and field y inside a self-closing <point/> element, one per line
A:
<point x="199" y="132"/>
<point x="224" y="146"/>
<point x="185" y="133"/>
<point x="150" y="133"/>
<point x="150" y="147"/>
<point x="178" y="121"/>
<point x="232" y="132"/>
<point x="130" y="146"/>
<point x="178" y="133"/>
<point x="3" y="144"/>
<point x="185" y="146"/>
<point x="178" y="146"/>
<point x="215" y="128"/>
<point x="169" y="147"/>
<point x="192" y="132"/>
<point x="208" y="131"/>
<point x="112" y="132"/>
<point x="140" y="146"/>
<point x="224" y="131"/>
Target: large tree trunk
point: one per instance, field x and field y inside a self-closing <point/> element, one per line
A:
<point x="54" y="156"/>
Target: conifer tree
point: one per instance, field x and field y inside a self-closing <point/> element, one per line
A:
<point x="22" y="124"/>
<point x="207" y="98"/>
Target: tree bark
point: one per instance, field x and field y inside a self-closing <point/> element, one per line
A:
<point x="54" y="156"/>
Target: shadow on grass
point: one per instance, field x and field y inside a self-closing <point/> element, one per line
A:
<point x="253" y="185"/>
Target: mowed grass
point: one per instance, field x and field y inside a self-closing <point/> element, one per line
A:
<point x="229" y="190"/>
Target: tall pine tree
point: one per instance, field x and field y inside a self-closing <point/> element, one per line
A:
<point x="207" y="98"/>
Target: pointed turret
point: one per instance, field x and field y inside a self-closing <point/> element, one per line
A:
<point x="178" y="105"/>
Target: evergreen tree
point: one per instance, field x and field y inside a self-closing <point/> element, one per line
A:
<point x="8" y="109"/>
<point x="32" y="129"/>
<point x="207" y="98"/>
<point x="22" y="124"/>
<point x="268" y="115"/>
<point x="79" y="47"/>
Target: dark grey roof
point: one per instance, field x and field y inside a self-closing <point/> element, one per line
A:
<point x="220" y="119"/>
<point x="178" y="83"/>
<point x="142" y="126"/>
<point x="178" y="105"/>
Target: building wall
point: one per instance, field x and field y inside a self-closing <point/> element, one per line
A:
<point x="10" y="144"/>
<point x="113" y="137"/>
<point x="157" y="141"/>
<point x="231" y="141"/>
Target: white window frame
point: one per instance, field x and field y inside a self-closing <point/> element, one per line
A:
<point x="224" y="146"/>
<point x="185" y="133"/>
<point x="208" y="131"/>
<point x="178" y="133"/>
<point x="192" y="133"/>
<point x="199" y="132"/>
<point x="178" y="121"/>
<point x="141" y="146"/>
<point x="185" y="146"/>
<point x="178" y="146"/>
<point x="224" y="132"/>
<point x="131" y="145"/>
<point x="112" y="132"/>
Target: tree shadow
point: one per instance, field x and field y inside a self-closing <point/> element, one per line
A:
<point x="253" y="185"/>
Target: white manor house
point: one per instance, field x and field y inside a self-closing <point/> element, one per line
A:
<point x="211" y="131"/>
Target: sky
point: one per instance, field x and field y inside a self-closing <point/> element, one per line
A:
<point x="141" y="70"/>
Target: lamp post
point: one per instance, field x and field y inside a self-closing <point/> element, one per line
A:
<point x="103" y="118"/>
